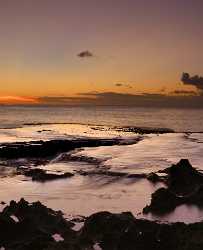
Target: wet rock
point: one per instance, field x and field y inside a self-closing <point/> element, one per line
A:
<point x="35" y="227"/>
<point x="143" y="130"/>
<point x="43" y="149"/>
<point x="163" y="201"/>
<point x="185" y="186"/>
<point x="41" y="175"/>
<point x="105" y="228"/>
<point x="153" y="177"/>
<point x="183" y="178"/>
<point x="125" y="232"/>
<point x="136" y="176"/>
<point x="38" y="226"/>
<point x="111" y="174"/>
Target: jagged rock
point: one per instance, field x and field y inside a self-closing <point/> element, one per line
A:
<point x="35" y="227"/>
<point x="185" y="186"/>
<point x="37" y="224"/>
<point x="183" y="178"/>
<point x="162" y="201"/>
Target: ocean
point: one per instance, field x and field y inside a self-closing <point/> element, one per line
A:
<point x="178" y="119"/>
<point x="139" y="154"/>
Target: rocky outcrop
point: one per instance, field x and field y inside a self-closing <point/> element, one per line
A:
<point x="184" y="186"/>
<point x="33" y="226"/>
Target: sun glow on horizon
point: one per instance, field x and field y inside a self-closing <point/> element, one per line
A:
<point x="18" y="100"/>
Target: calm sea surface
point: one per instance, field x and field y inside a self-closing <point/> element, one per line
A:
<point x="177" y="119"/>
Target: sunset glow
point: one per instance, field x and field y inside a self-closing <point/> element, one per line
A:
<point x="17" y="100"/>
<point x="67" y="48"/>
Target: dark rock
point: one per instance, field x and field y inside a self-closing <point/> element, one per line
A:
<point x="153" y="177"/>
<point x="124" y="232"/>
<point x="37" y="224"/>
<point x="184" y="186"/>
<point x="41" y="175"/>
<point x="163" y="201"/>
<point x="136" y="176"/>
<point x="35" y="227"/>
<point x="111" y="174"/>
<point x="43" y="149"/>
<point x="183" y="178"/>
<point x="143" y="130"/>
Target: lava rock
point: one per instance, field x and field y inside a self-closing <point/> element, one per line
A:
<point x="162" y="201"/>
<point x="183" y="178"/>
<point x="41" y="175"/>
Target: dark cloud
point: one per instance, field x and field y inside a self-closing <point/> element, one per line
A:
<point x="123" y="85"/>
<point x="184" y="92"/>
<point x="85" y="54"/>
<point x="196" y="80"/>
<point x="62" y="100"/>
<point x="145" y="100"/>
<point x="163" y="89"/>
<point x="118" y="84"/>
<point x="124" y="99"/>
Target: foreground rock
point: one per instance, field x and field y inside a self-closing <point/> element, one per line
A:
<point x="184" y="186"/>
<point x="33" y="226"/>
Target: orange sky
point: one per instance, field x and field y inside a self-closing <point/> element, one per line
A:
<point x="133" y="47"/>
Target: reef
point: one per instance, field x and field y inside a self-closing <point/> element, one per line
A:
<point x="43" y="149"/>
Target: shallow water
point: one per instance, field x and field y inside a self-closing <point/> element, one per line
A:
<point x="85" y="195"/>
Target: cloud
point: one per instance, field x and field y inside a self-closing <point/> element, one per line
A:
<point x="118" y="84"/>
<point x="63" y="100"/>
<point x="123" y="85"/>
<point x="184" y="92"/>
<point x="113" y="99"/>
<point x="85" y="54"/>
<point x="18" y="100"/>
<point x="163" y="89"/>
<point x="196" y="80"/>
<point x="145" y="100"/>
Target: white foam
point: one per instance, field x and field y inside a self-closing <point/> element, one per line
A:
<point x="14" y="218"/>
<point x="57" y="237"/>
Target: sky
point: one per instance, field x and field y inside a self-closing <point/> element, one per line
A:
<point x="58" y="51"/>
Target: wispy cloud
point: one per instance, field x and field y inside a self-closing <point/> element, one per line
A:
<point x="183" y="92"/>
<point x="18" y="100"/>
<point x="123" y="85"/>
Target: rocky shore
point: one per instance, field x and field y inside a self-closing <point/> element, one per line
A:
<point x="33" y="226"/>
